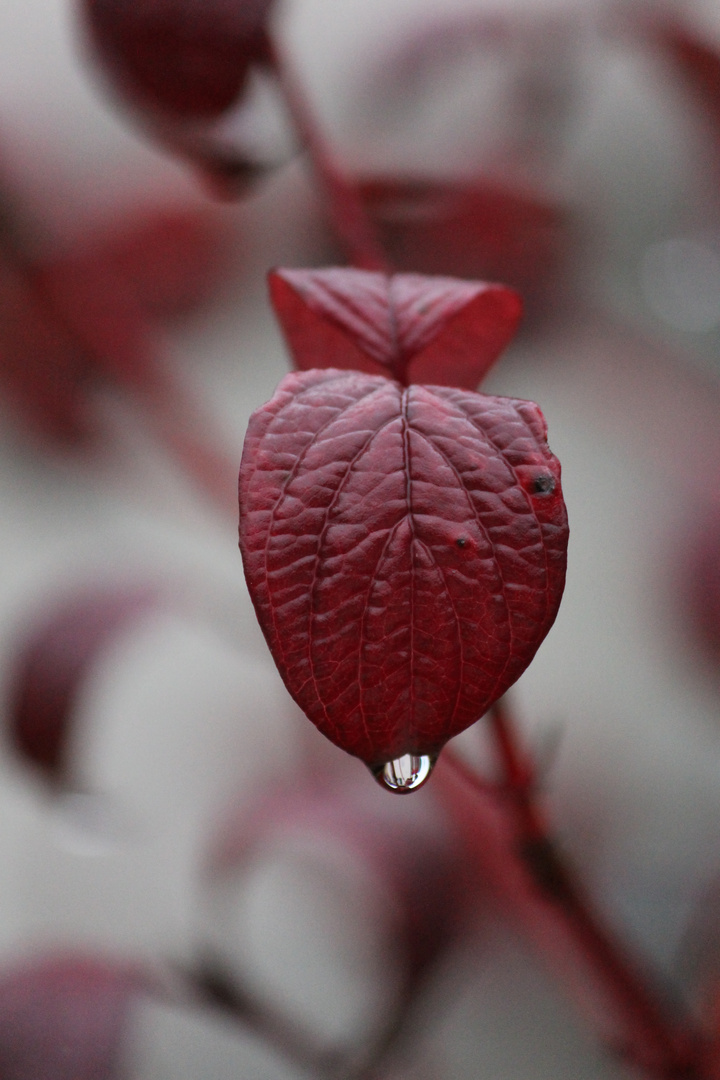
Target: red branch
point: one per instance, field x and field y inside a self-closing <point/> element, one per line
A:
<point x="508" y="833"/>
<point x="347" y="211"/>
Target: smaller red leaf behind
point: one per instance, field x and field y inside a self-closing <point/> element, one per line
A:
<point x="474" y="229"/>
<point x="409" y="327"/>
<point x="405" y="552"/>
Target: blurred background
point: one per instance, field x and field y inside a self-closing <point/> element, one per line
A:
<point x="176" y="813"/>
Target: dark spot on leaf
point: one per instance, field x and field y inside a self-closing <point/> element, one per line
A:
<point x="543" y="484"/>
<point x="461" y="542"/>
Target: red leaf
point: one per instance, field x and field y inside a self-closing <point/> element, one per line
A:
<point x="172" y="257"/>
<point x="42" y="367"/>
<point x="444" y="330"/>
<point x="478" y="229"/>
<point x="697" y="61"/>
<point x="701" y="580"/>
<point x="405" y="551"/>
<point x="64" y="1018"/>
<point x="109" y="291"/>
<point x="101" y="314"/>
<point x="180" y="57"/>
<point x="93" y="312"/>
<point x="51" y="667"/>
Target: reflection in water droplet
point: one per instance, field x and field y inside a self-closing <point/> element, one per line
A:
<point x="404" y="774"/>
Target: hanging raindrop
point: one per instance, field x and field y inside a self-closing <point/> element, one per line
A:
<point x="404" y="774"/>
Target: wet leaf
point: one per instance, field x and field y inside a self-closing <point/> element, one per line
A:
<point x="405" y="551"/>
<point x="410" y="327"/>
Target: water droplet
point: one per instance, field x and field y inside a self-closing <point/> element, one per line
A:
<point x="406" y="773"/>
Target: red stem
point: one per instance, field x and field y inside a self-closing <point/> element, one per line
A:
<point x="206" y="464"/>
<point x="347" y="211"/>
<point x="508" y="833"/>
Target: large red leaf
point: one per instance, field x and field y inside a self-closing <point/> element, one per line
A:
<point x="405" y="551"/>
<point x="408" y="326"/>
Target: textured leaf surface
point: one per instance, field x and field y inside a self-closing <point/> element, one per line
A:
<point x="405" y="551"/>
<point x="408" y="326"/>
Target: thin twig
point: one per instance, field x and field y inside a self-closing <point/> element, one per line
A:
<point x="508" y="832"/>
<point x="349" y="216"/>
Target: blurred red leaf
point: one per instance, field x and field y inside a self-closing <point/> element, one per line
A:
<point x="476" y="229"/>
<point x="93" y="312"/>
<point x="700" y="575"/>
<point x="182" y="66"/>
<point x="697" y="61"/>
<point x="50" y="669"/>
<point x="64" y="1018"/>
<point x="42" y="368"/>
<point x="410" y="327"/>
<point x="186" y="59"/>
<point x="405" y="552"/>
<point x="172" y="257"/>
